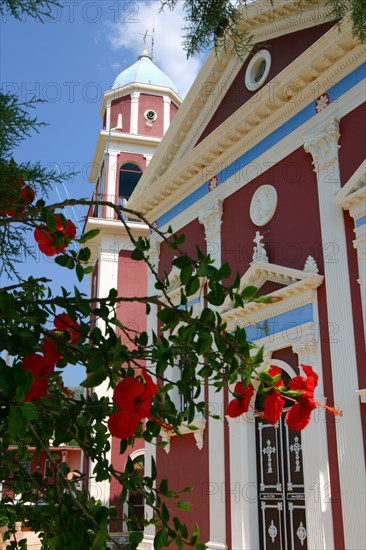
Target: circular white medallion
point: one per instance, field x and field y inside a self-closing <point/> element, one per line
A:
<point x="263" y="205"/>
<point x="258" y="70"/>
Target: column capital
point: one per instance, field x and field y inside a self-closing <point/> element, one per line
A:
<point x="323" y="145"/>
<point x="211" y="220"/>
<point x="304" y="348"/>
<point x="154" y="252"/>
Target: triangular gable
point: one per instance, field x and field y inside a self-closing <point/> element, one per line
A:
<point x="293" y="281"/>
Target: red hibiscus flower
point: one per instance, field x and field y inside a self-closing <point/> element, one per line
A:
<point x="274" y="402"/>
<point x="273" y="407"/>
<point x="41" y="366"/>
<point x="63" y="322"/>
<point x="298" y="417"/>
<point x="22" y="195"/>
<point x="49" y="349"/>
<point x="133" y="400"/>
<point x="55" y="241"/>
<point x="240" y="405"/>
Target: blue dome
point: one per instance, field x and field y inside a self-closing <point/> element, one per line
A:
<point x="144" y="71"/>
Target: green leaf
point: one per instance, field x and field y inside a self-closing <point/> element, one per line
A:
<point x="100" y="539"/>
<point x="134" y="539"/>
<point x="168" y="316"/>
<point x="200" y="546"/>
<point x="165" y="513"/>
<point x="249" y="292"/>
<point x="192" y="286"/>
<point x="163" y="488"/>
<point x="79" y="272"/>
<point x="84" y="254"/>
<point x="224" y="271"/>
<point x="216" y="296"/>
<point x="184" y="505"/>
<point x="182" y="261"/>
<point x="29" y="411"/>
<point x="62" y="260"/>
<point x="17" y="423"/>
<point x="160" y="540"/>
<point x="89" y="235"/>
<point x="137" y="255"/>
<point x="95" y="378"/>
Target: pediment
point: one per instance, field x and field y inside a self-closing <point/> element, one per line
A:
<point x="289" y="281"/>
<point x="182" y="158"/>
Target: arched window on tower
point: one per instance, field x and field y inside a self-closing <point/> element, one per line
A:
<point x="129" y="176"/>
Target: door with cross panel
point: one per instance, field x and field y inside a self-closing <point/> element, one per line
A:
<point x="281" y="498"/>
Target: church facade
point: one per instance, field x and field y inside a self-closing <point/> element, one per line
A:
<point x="264" y="167"/>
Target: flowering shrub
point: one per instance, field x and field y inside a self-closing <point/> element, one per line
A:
<point x="54" y="238"/>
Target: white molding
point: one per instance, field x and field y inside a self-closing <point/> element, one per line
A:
<point x="352" y="197"/>
<point x="135" y="96"/>
<point x="323" y="146"/>
<point x="167" y="102"/>
<point x="183" y="430"/>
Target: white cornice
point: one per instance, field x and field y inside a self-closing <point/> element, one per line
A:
<point x="112" y="228"/>
<point x="316" y="68"/>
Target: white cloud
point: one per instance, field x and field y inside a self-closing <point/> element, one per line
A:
<point x="168" y="52"/>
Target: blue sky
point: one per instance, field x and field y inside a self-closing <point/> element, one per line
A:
<point x="70" y="62"/>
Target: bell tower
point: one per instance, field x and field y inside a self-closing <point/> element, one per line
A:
<point x="135" y="113"/>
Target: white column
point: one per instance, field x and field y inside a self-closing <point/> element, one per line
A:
<point x="243" y="483"/>
<point x="216" y="448"/>
<point x="150" y="448"/>
<point x="167" y="102"/>
<point x="110" y="184"/>
<point x="360" y="245"/>
<point x="323" y="147"/>
<point x="107" y="279"/>
<point x="134" y="112"/>
<point x="318" y="494"/>
<point x="108" y="117"/>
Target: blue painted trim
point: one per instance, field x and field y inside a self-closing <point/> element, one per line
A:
<point x="282" y="323"/>
<point x="190" y="303"/>
<point x="275" y="137"/>
<point x="360" y="221"/>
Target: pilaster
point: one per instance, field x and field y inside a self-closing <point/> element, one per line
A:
<point x="150" y="448"/>
<point x="135" y="96"/>
<point x="323" y="146"/>
<point x="318" y="489"/>
<point x="167" y="102"/>
<point x="110" y="184"/>
<point x="211" y="220"/>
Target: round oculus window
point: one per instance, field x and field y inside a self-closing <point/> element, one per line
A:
<point x="258" y="70"/>
<point x="150" y="115"/>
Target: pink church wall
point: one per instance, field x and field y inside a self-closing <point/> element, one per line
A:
<point x="122" y="105"/>
<point x="154" y="103"/>
<point x="185" y="465"/>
